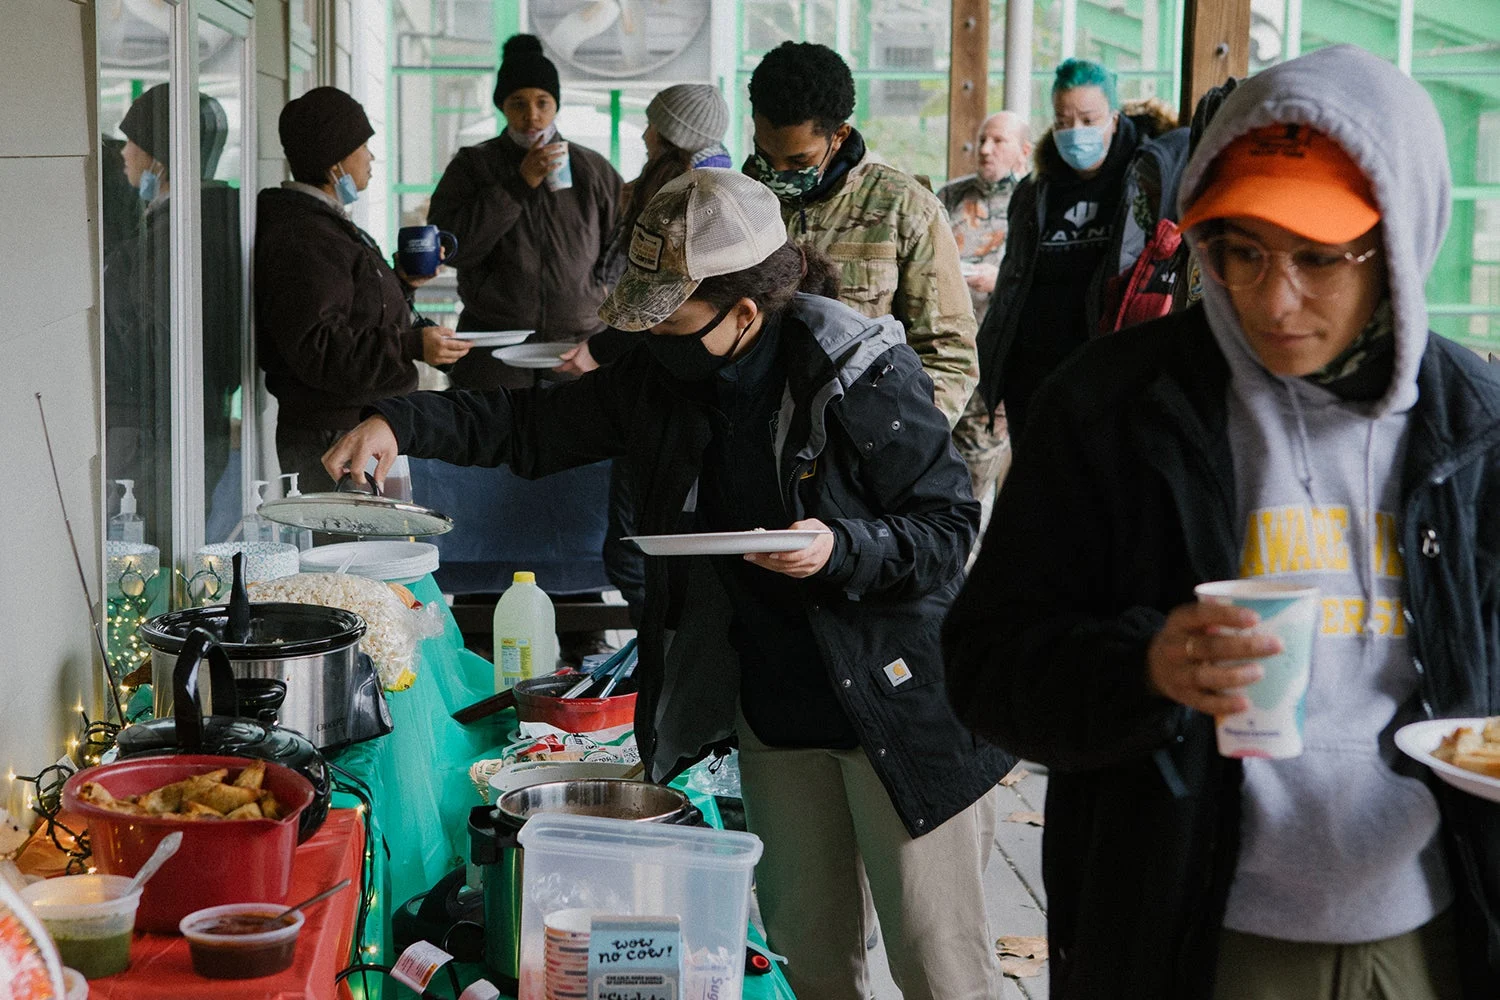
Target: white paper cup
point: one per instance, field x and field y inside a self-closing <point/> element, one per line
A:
<point x="561" y="174"/>
<point x="1272" y="726"/>
<point x="565" y="954"/>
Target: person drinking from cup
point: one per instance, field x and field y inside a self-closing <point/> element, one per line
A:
<point x="533" y="215"/>
<point x="1302" y="428"/>
<point x="334" y="325"/>
<point x="749" y="406"/>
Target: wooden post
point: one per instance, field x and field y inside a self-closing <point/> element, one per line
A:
<point x="968" y="80"/>
<point x="1215" y="46"/>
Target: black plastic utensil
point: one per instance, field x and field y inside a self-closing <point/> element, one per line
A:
<point x="237" y="629"/>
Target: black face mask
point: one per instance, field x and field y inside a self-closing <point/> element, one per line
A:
<point x="685" y="357"/>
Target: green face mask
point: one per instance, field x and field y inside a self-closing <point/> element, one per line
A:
<point x="788" y="185"/>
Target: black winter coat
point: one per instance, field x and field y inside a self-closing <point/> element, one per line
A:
<point x="1121" y="500"/>
<point x="334" y="327"/>
<point x="528" y="258"/>
<point x="864" y="449"/>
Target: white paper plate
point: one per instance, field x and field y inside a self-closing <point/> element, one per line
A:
<point x="1419" y="739"/>
<point x="533" y="355"/>
<point x="494" y="338"/>
<point x="534" y="772"/>
<point x="725" y="543"/>
<point x="391" y="561"/>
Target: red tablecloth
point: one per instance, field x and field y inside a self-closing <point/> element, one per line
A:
<point x="160" y="968"/>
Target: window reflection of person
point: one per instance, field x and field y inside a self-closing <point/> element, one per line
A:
<point x="138" y="307"/>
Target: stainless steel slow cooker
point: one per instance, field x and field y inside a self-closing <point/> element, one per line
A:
<point x="313" y="650"/>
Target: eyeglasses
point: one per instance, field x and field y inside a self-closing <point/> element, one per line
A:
<point x="1239" y="263"/>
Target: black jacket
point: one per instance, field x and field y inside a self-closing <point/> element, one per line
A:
<point x="861" y="447"/>
<point x="528" y="258"/>
<point x="999" y="326"/>
<point x="334" y="327"/>
<point x="1084" y="558"/>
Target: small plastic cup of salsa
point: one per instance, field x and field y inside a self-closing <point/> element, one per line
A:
<point x="226" y="942"/>
<point x="89" y="917"/>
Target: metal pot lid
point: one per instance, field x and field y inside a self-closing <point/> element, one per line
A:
<point x="365" y="515"/>
<point x="277" y="631"/>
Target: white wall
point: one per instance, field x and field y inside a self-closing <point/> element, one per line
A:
<point x="49" y="344"/>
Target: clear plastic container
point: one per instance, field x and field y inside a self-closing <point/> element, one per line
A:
<point x="90" y="919"/>
<point x="220" y="950"/>
<point x="615" y="867"/>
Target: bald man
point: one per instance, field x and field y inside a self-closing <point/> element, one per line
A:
<point x="977" y="205"/>
<point x="977" y="202"/>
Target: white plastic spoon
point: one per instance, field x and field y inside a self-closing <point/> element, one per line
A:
<point x="163" y="853"/>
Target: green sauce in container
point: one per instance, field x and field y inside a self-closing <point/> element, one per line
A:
<point x="89" y="918"/>
<point x="95" y="957"/>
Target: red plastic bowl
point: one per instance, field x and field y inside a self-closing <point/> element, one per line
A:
<point x="220" y="861"/>
<point x="535" y="702"/>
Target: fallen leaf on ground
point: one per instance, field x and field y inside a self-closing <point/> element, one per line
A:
<point x="1033" y="818"/>
<point x="1021" y="957"/>
<point x="1022" y="968"/>
<point x="1016" y="774"/>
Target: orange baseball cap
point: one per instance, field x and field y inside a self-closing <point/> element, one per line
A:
<point x="1291" y="176"/>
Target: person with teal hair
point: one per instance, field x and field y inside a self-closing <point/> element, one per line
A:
<point x="1065" y="225"/>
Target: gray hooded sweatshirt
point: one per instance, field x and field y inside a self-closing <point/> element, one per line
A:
<point x="1336" y="846"/>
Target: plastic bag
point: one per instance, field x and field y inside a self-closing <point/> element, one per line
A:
<point x="393" y="628"/>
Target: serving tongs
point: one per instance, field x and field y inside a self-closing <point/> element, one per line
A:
<point x="615" y="668"/>
<point x="625" y="659"/>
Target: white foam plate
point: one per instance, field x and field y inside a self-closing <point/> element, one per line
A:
<point x="725" y="543"/>
<point x="390" y="561"/>
<point x="533" y="355"/>
<point x="1419" y="739"/>
<point x="494" y="338"/>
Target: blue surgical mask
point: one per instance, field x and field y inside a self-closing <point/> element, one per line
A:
<point x="347" y="190"/>
<point x="1081" y="148"/>
<point x="149" y="187"/>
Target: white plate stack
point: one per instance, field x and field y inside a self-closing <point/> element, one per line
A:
<point x="391" y="561"/>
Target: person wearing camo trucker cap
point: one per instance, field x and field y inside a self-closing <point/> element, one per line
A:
<point x="745" y="406"/>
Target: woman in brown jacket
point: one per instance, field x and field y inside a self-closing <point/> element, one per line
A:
<point x="334" y="326"/>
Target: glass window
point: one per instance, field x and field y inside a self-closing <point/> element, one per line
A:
<point x="135" y="119"/>
<point x="223" y="79"/>
<point x="302" y="47"/>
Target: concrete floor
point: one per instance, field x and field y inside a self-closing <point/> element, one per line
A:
<point x="1012" y="888"/>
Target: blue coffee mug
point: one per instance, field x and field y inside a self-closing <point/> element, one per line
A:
<point x="417" y="249"/>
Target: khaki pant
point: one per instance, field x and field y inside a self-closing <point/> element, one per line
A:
<point x="987" y="453"/>
<point x="831" y="835"/>
<point x="1418" y="965"/>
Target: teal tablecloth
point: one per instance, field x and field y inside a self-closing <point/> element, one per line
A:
<point x="418" y="782"/>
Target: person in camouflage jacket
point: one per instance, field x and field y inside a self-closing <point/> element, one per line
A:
<point x="977" y="204"/>
<point x="888" y="234"/>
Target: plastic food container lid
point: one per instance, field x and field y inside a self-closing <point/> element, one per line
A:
<point x="192" y="926"/>
<point x="641" y="843"/>
<point x="82" y="897"/>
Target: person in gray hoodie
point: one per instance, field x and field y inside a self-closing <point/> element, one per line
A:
<point x="1300" y="426"/>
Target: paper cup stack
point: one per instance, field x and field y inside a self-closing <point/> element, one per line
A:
<point x="566" y="952"/>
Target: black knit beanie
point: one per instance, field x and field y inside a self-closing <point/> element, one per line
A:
<point x="148" y="124"/>
<point x="522" y="64"/>
<point x="319" y="129"/>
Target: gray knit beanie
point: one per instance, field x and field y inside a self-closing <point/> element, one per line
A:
<point x="690" y="116"/>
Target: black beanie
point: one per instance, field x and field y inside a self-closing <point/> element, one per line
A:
<point x="522" y="64"/>
<point x="319" y="129"/>
<point x="148" y="124"/>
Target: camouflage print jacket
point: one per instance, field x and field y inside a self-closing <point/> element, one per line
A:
<point x="976" y="211"/>
<point x="890" y="237"/>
